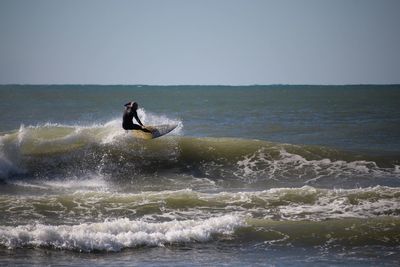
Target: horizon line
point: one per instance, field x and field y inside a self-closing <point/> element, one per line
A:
<point x="225" y="85"/>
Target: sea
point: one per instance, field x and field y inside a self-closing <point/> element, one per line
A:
<point x="277" y="175"/>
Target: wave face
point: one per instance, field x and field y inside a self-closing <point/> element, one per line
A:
<point x="54" y="152"/>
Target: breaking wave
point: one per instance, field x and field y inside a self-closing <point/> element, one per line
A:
<point x="90" y="221"/>
<point x="279" y="204"/>
<point x="117" y="234"/>
<point x="53" y="151"/>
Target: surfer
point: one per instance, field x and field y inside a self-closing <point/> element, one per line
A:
<point x="129" y="114"/>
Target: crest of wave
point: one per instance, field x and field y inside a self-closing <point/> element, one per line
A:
<point x="117" y="234"/>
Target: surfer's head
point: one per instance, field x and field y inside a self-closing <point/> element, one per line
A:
<point x="132" y="105"/>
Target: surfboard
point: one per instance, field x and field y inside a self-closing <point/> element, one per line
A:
<point x="156" y="131"/>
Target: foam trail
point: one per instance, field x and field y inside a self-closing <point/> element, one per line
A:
<point x="117" y="234"/>
<point x="262" y="164"/>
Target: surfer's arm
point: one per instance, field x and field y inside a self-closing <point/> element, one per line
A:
<point x="137" y="119"/>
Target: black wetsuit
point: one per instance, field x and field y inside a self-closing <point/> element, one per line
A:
<point x="127" y="118"/>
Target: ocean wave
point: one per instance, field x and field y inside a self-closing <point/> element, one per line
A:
<point x="119" y="234"/>
<point x="54" y="139"/>
<point x="278" y="204"/>
<point x="309" y="171"/>
<point x="115" y="235"/>
<point x="53" y="151"/>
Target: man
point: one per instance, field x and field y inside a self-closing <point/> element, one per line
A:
<point x="129" y="114"/>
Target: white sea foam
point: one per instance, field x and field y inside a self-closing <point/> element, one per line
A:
<point x="397" y="168"/>
<point x="116" y="235"/>
<point x="90" y="182"/>
<point x="334" y="204"/>
<point x="281" y="204"/>
<point x="262" y="165"/>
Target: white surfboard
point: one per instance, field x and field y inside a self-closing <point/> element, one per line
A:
<point x="155" y="131"/>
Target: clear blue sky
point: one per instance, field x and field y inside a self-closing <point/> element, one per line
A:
<point x="200" y="42"/>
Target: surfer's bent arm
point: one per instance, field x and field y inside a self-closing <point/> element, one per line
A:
<point x="137" y="119"/>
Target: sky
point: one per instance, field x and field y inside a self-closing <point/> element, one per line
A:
<point x="213" y="42"/>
